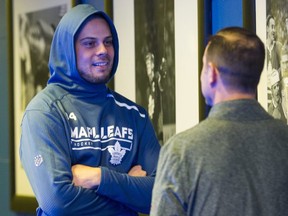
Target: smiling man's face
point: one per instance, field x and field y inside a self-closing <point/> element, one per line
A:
<point x="95" y="51"/>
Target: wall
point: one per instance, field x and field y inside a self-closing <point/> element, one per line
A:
<point x="225" y="12"/>
<point x="4" y="114"/>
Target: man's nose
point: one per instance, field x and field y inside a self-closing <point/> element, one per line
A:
<point x="101" y="49"/>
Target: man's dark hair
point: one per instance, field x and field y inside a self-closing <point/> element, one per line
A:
<point x="268" y="18"/>
<point x="239" y="56"/>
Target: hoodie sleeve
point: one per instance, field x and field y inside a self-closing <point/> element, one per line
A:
<point x="45" y="156"/>
<point x="134" y="192"/>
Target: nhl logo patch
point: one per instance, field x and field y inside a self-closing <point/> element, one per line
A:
<point x="38" y="160"/>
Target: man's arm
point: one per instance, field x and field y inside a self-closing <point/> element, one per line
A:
<point x="86" y="176"/>
<point x="89" y="177"/>
<point x="133" y="189"/>
<point x="45" y="156"/>
<point x="168" y="198"/>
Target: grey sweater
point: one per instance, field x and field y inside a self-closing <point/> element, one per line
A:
<point x="233" y="163"/>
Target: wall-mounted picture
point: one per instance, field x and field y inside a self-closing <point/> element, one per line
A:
<point x="155" y="63"/>
<point x="158" y="65"/>
<point x="274" y="32"/>
<point x="34" y="23"/>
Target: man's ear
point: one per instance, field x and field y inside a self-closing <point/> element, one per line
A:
<point x="213" y="74"/>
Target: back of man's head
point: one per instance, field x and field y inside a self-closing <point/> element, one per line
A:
<point x="239" y="56"/>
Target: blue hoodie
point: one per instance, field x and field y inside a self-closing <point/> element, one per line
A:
<point x="73" y="121"/>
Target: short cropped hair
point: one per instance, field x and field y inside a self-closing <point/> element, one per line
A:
<point x="268" y="18"/>
<point x="239" y="56"/>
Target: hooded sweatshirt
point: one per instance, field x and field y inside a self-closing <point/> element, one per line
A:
<point x="73" y="121"/>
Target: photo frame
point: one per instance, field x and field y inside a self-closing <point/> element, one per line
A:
<point x="189" y="46"/>
<point x="33" y="23"/>
<point x="260" y="28"/>
<point x="272" y="27"/>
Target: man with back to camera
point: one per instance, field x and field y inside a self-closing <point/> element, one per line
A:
<point x="235" y="161"/>
<point x="86" y="149"/>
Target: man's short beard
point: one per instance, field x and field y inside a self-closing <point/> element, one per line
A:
<point x="94" y="80"/>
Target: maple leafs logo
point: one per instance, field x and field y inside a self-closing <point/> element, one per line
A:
<point x="117" y="153"/>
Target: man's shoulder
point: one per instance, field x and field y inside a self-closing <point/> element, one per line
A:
<point x="44" y="99"/>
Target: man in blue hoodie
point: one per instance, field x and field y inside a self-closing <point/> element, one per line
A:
<point x="86" y="149"/>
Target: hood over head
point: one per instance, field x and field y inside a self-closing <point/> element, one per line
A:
<point x="62" y="61"/>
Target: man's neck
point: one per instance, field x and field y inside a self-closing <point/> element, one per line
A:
<point x="233" y="96"/>
<point x="270" y="44"/>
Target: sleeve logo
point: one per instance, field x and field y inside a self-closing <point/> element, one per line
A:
<point x="38" y="160"/>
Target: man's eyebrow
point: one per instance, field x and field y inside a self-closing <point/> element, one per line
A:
<point x="109" y="37"/>
<point x="94" y="38"/>
<point x="89" y="38"/>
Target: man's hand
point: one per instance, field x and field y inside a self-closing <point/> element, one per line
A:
<point x="86" y="176"/>
<point x="137" y="171"/>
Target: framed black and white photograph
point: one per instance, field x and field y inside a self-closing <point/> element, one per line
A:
<point x="160" y="40"/>
<point x="155" y="63"/>
<point x="272" y="27"/>
<point x="34" y="23"/>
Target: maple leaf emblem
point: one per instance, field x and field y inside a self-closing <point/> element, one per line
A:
<point x="117" y="153"/>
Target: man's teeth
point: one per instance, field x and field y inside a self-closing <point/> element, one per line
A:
<point x="100" y="64"/>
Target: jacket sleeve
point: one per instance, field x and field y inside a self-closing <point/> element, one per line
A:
<point x="46" y="159"/>
<point x="169" y="189"/>
<point x="134" y="192"/>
